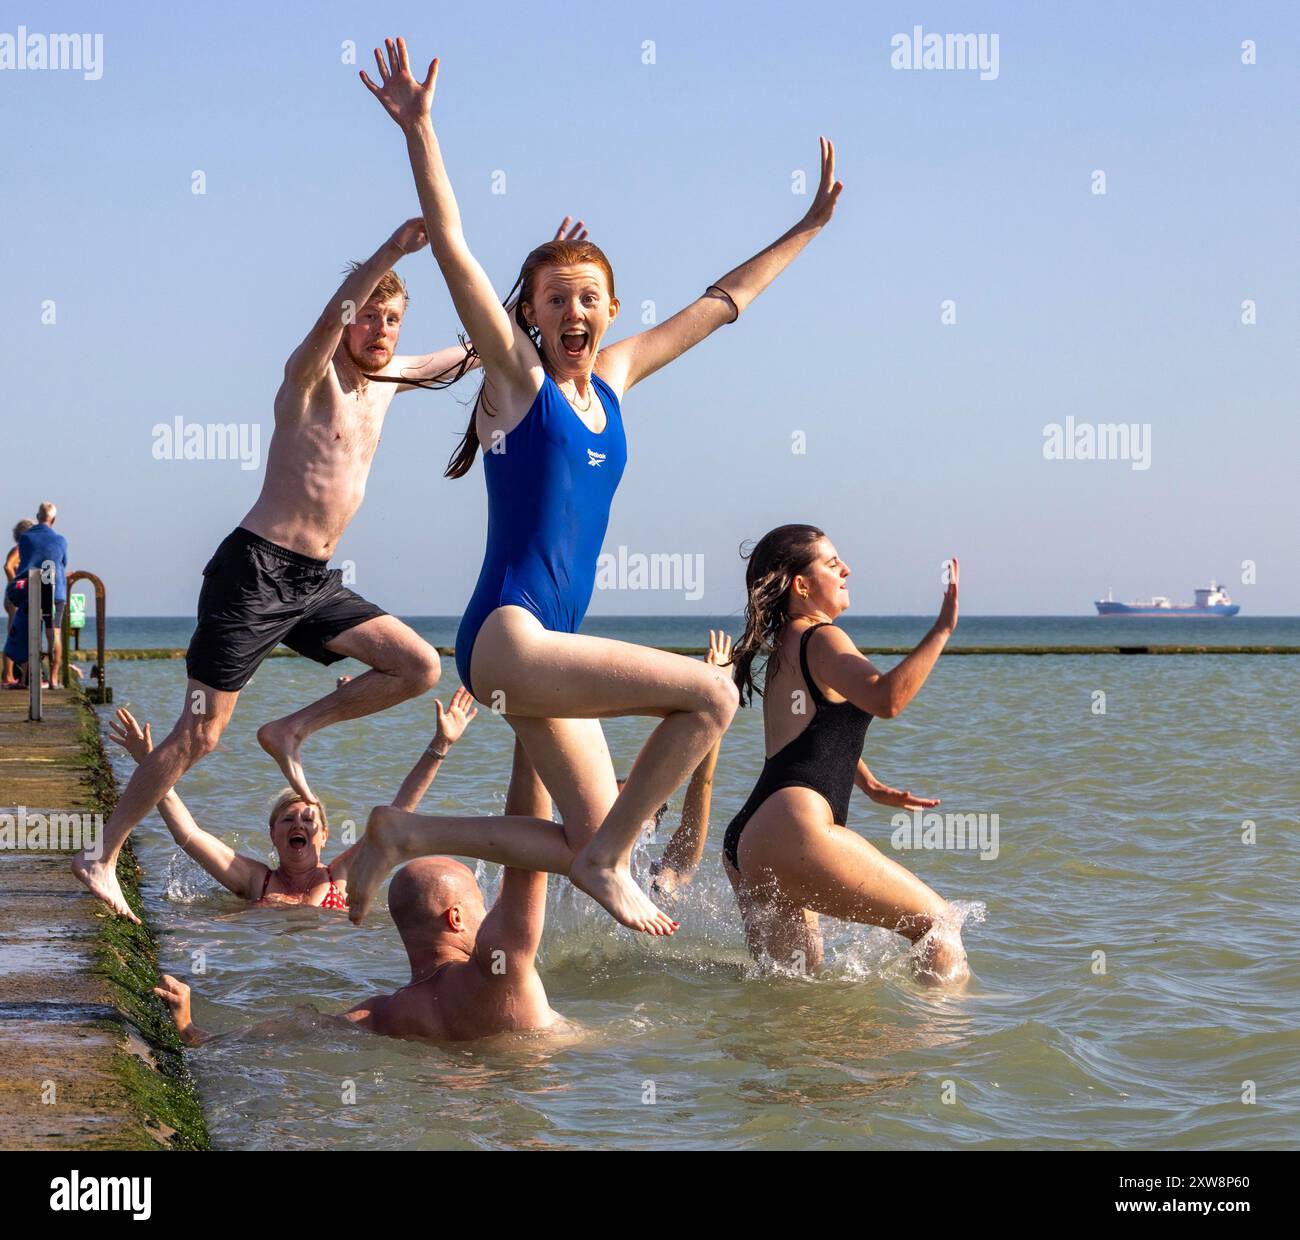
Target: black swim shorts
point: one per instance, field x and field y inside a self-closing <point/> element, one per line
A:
<point x="257" y="594"/>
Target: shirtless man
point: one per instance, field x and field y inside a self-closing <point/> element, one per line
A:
<point x="269" y="582"/>
<point x="473" y="970"/>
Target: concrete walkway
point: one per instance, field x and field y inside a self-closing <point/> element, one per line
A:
<point x="88" y="1057"/>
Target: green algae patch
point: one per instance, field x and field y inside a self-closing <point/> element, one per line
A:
<point x="151" y="1069"/>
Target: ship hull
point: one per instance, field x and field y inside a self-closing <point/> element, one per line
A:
<point x="1107" y="608"/>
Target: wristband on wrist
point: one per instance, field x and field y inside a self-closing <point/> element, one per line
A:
<point x="735" y="308"/>
<point x="433" y="753"/>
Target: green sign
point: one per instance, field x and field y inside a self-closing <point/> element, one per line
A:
<point x="77" y="611"/>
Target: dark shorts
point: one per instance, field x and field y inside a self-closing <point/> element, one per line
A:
<point x="256" y="595"/>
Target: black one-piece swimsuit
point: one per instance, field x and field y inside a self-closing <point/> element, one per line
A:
<point x="823" y="757"/>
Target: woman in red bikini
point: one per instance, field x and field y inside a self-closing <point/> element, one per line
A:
<point x="299" y="829"/>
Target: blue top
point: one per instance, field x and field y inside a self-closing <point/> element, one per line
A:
<point x="40" y="544"/>
<point x="550" y="483"/>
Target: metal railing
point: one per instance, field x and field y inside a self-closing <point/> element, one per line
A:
<point x="34" y="644"/>
<point x="36" y="623"/>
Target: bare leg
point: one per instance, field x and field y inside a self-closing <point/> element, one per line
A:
<point x="531" y="673"/>
<point x="817" y="865"/>
<point x="775" y="929"/>
<point x="403" y="666"/>
<point x="394" y="837"/>
<point x="203" y="719"/>
<point x="56" y="657"/>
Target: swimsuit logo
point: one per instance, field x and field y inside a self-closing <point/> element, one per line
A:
<point x="595" y="458"/>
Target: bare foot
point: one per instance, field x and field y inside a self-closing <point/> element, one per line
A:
<point x="285" y="745"/>
<point x="100" y="877"/>
<point x="374" y="860"/>
<point x="612" y="888"/>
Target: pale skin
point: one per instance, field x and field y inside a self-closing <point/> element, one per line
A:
<point x="473" y="970"/>
<point x="674" y="871"/>
<point x="795" y="862"/>
<point x="298" y="831"/>
<point x="557" y="686"/>
<point x="328" y="418"/>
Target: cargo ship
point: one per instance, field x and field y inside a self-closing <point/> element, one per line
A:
<point x="1211" y="600"/>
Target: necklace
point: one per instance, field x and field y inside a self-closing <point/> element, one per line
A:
<point x="573" y="399"/>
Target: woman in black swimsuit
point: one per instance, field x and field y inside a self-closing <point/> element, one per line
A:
<point x="788" y="853"/>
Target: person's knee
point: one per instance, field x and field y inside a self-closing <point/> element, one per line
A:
<point x="421" y="667"/>
<point x="719" y="701"/>
<point x="195" y="737"/>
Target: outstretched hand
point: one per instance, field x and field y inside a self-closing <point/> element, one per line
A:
<point x="405" y="100"/>
<point x="948" y="611"/>
<point x="176" y="995"/>
<point x="883" y="794"/>
<point x="828" y="190"/>
<point x="578" y="232"/>
<point x="411" y="236"/>
<point x="719" y="649"/>
<point x="137" y="741"/>
<point x="453" y="721"/>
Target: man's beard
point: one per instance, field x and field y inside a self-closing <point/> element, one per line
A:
<point x="369" y="363"/>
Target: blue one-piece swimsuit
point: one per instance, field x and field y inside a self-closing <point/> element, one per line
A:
<point x="550" y="483"/>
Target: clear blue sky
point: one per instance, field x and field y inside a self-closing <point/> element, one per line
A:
<point x="923" y="439"/>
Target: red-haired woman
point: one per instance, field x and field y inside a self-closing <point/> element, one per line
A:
<point x="549" y="423"/>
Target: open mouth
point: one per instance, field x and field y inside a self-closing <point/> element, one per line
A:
<point x="574" y="343"/>
<point x="298" y="839"/>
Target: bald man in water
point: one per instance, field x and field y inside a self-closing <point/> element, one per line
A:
<point x="473" y="970"/>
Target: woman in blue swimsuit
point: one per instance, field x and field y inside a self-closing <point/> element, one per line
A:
<point x="551" y="432"/>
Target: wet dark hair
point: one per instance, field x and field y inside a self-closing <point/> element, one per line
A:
<point x="559" y="253"/>
<point x="774" y="562"/>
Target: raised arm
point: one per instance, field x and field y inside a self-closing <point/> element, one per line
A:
<point x="232" y="870"/>
<point x="639" y="356"/>
<point x="452" y="722"/>
<point x="308" y="362"/>
<point x="837" y="662"/>
<point x="420" y="369"/>
<point x="515" y="922"/>
<point x="503" y="346"/>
